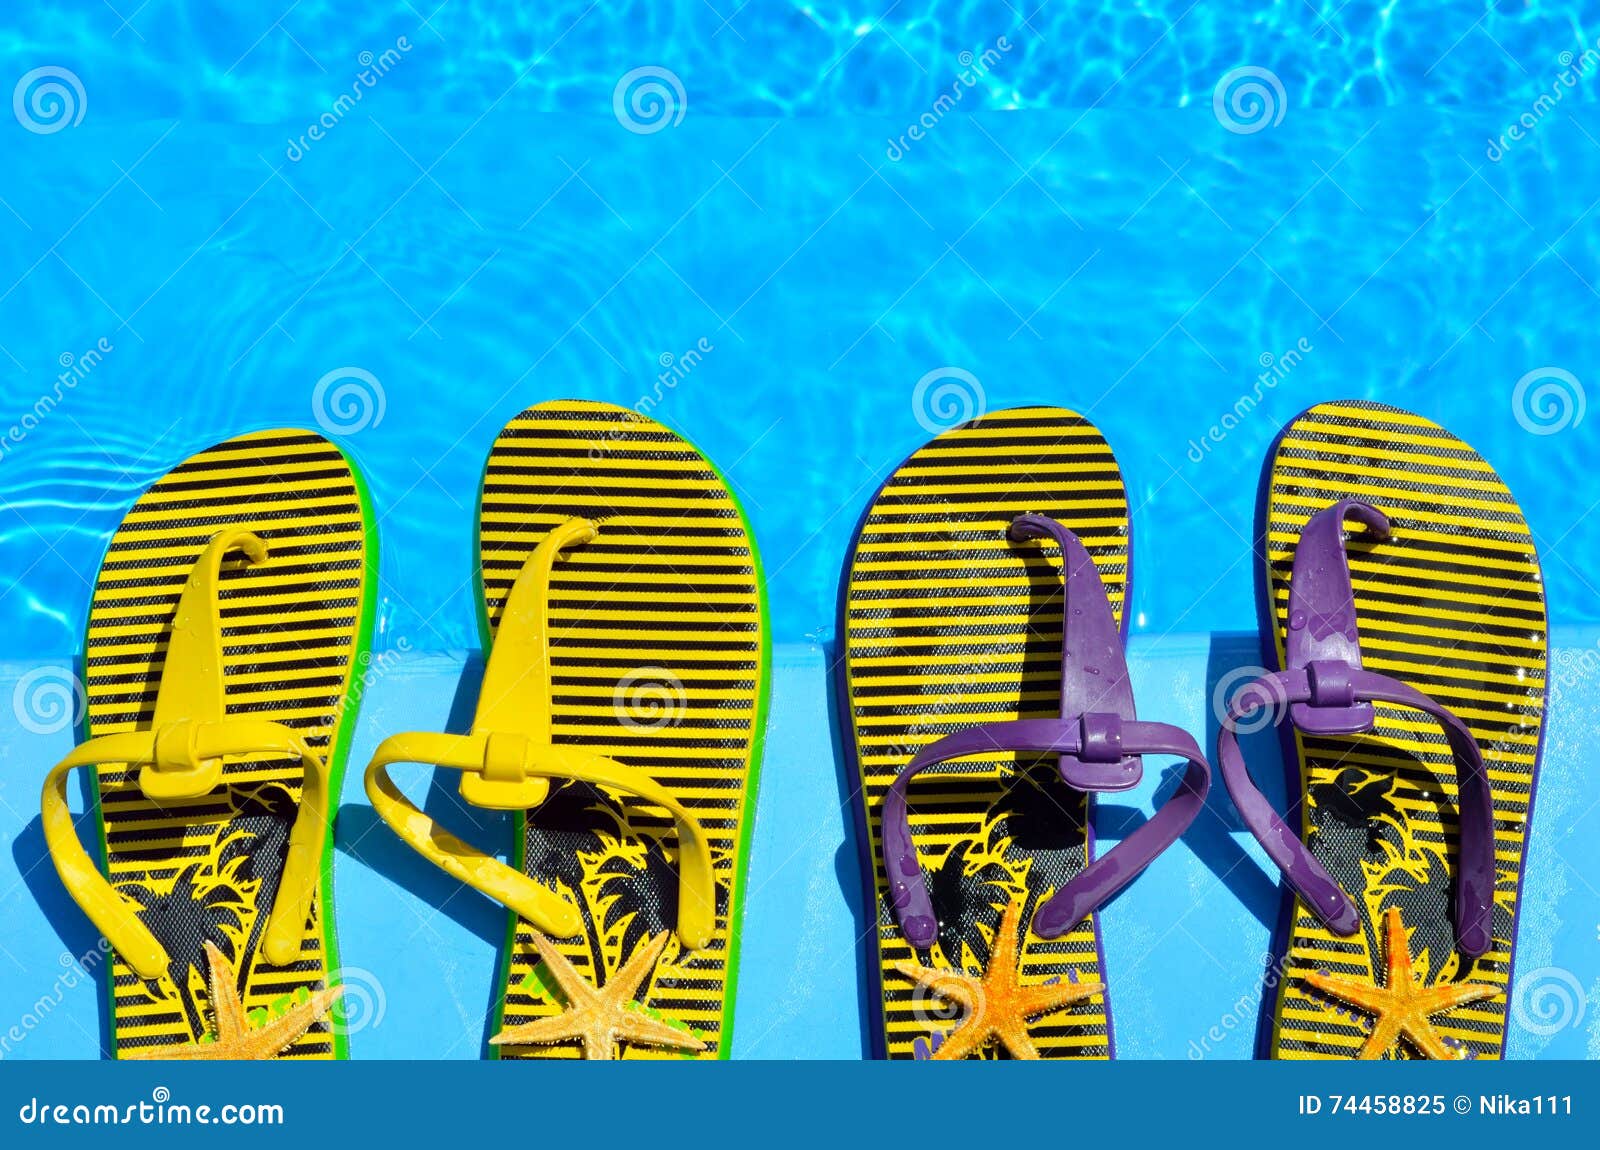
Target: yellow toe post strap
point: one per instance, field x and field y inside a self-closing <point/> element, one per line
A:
<point x="508" y="760"/>
<point x="180" y="757"/>
<point x="516" y="760"/>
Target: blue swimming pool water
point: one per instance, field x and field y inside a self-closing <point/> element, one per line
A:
<point x="769" y="258"/>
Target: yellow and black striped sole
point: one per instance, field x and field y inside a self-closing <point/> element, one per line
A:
<point x="1453" y="604"/>
<point x="946" y="625"/>
<point x="660" y="659"/>
<point x="295" y="629"/>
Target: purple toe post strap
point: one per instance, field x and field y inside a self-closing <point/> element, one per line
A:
<point x="1098" y="742"/>
<point x="1328" y="692"/>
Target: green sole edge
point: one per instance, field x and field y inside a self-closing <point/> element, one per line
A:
<point x="758" y="746"/>
<point x="355" y="693"/>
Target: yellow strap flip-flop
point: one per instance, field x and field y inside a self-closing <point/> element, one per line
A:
<point x="231" y="610"/>
<point x="620" y="716"/>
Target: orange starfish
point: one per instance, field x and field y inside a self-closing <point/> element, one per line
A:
<point x="997" y="1005"/>
<point x="600" y="1018"/>
<point x="236" y="1039"/>
<point x="1400" y="1007"/>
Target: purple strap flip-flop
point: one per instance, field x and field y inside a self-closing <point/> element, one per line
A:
<point x="989" y="698"/>
<point x="1407" y="613"/>
<point x="1098" y="743"/>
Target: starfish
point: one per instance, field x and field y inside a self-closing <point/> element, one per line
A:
<point x="996" y="1005"/>
<point x="600" y="1017"/>
<point x="236" y="1039"/>
<point x="1400" y="1007"/>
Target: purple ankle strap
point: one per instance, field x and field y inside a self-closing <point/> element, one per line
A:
<point x="1099" y="747"/>
<point x="1329" y="693"/>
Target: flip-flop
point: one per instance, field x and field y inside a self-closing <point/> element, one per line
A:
<point x="231" y="611"/>
<point x="965" y="665"/>
<point x="621" y="717"/>
<point x="1404" y="602"/>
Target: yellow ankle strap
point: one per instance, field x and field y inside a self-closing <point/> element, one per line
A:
<point x="508" y="759"/>
<point x="180" y="757"/>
